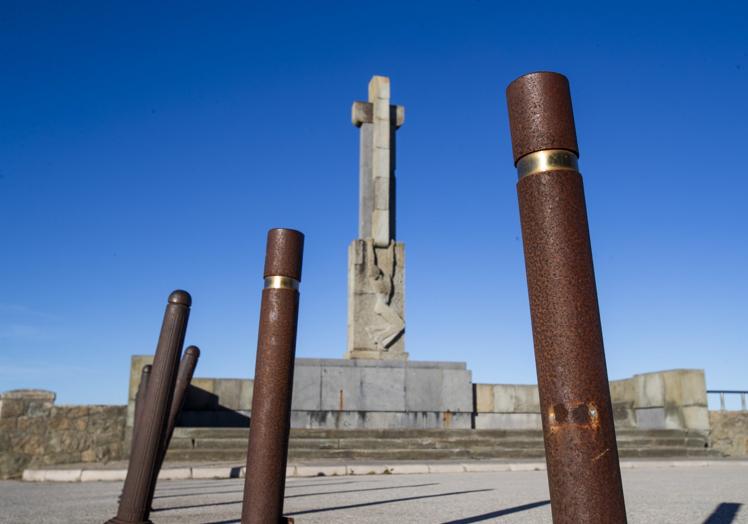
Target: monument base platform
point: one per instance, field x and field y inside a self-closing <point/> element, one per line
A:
<point x="345" y="394"/>
<point x="367" y="394"/>
<point x="355" y="394"/>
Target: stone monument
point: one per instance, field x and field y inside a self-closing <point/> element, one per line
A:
<point x="376" y="261"/>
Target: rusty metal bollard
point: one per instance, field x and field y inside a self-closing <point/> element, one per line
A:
<point x="265" y="479"/>
<point x="133" y="507"/>
<point x="580" y="443"/>
<point x="184" y="377"/>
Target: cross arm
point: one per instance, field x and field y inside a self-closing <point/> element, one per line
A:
<point x="363" y="113"/>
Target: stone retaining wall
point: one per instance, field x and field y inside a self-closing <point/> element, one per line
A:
<point x="729" y="432"/>
<point x="34" y="432"/>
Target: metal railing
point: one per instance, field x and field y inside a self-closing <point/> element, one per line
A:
<point x="723" y="392"/>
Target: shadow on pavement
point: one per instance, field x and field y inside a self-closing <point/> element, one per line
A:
<point x="500" y="513"/>
<point x="724" y="513"/>
<point x="197" y="484"/>
<point x="389" y="501"/>
<point x="359" y="490"/>
<point x="322" y="484"/>
<point x="156" y="510"/>
<point x="198" y="494"/>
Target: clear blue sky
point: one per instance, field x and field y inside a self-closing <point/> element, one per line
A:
<point x="146" y="147"/>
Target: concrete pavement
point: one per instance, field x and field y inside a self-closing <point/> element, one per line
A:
<point x="653" y="495"/>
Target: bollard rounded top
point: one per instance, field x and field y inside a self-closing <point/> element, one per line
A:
<point x="192" y="351"/>
<point x="180" y="297"/>
<point x="285" y="250"/>
<point x="540" y="114"/>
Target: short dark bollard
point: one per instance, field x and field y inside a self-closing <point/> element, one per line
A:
<point x="580" y="441"/>
<point x="184" y="377"/>
<point x="145" y="376"/>
<point x="133" y="507"/>
<point x="265" y="480"/>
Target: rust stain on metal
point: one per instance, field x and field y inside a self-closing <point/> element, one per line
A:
<point x="447" y="419"/>
<point x="582" y="415"/>
<point x="283" y="257"/>
<point x="598" y="457"/>
<point x="540" y="114"/>
<point x="581" y="452"/>
<point x="271" y="402"/>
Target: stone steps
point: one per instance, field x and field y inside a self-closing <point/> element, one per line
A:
<point x="422" y="443"/>
<point x="201" y="444"/>
<point x="239" y="456"/>
<point x="196" y="433"/>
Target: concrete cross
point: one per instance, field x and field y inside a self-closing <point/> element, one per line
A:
<point x="378" y="121"/>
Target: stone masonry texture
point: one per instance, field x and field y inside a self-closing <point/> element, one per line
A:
<point x="35" y="432"/>
<point x="729" y="432"/>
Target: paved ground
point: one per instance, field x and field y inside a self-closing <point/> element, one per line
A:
<point x="716" y="495"/>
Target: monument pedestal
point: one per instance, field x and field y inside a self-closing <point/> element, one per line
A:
<point x="381" y="394"/>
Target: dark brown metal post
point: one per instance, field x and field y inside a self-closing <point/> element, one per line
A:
<point x="133" y="507"/>
<point x="580" y="441"/>
<point x="145" y="375"/>
<point x="184" y="377"/>
<point x="265" y="479"/>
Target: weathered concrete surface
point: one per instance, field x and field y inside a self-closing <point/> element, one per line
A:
<point x="729" y="432"/>
<point x="658" y="494"/>
<point x="33" y="432"/>
<point x="674" y="399"/>
<point x="201" y="444"/>
<point x="360" y="393"/>
<point x="346" y="394"/>
<point x="334" y="393"/>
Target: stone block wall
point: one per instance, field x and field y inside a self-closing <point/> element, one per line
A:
<point x="674" y="399"/>
<point x="339" y="394"/>
<point x="729" y="432"/>
<point x="34" y="432"/>
<point x="507" y="406"/>
<point x="357" y="394"/>
<point x="342" y="393"/>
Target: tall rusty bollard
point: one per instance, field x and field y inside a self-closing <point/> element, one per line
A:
<point x="580" y="442"/>
<point x="133" y="506"/>
<point x="184" y="377"/>
<point x="265" y="479"/>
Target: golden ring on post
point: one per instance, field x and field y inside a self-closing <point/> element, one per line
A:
<point x="279" y="282"/>
<point x="547" y="160"/>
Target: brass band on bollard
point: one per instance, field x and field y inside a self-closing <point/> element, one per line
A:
<point x="547" y="160"/>
<point x="281" y="282"/>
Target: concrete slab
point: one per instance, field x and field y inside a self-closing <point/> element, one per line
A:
<point x="653" y="495"/>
